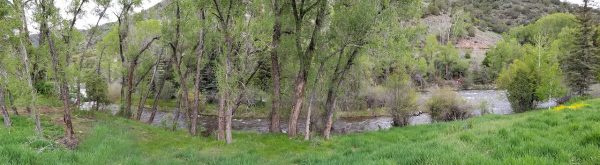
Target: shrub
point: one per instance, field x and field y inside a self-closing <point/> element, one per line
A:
<point x="401" y="98"/>
<point x="447" y="105"/>
<point x="520" y="84"/>
<point x="96" y="89"/>
<point x="44" y="88"/>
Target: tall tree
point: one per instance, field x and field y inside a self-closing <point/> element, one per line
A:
<point x="299" y="11"/>
<point x="47" y="9"/>
<point x="197" y="80"/>
<point x="582" y="64"/>
<point x="275" y="69"/>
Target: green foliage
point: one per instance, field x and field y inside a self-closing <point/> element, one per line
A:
<point x="502" y="55"/>
<point x="535" y="77"/>
<point x="581" y="64"/>
<point x="519" y="80"/>
<point x="447" y="105"/>
<point x="461" y="25"/>
<point x="402" y="98"/>
<point x="96" y="88"/>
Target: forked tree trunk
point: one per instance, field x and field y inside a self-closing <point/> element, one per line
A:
<point x="338" y="76"/>
<point x="305" y="58"/>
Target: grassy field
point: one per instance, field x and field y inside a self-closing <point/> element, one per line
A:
<point x="566" y="135"/>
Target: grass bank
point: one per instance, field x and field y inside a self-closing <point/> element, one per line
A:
<point x="567" y="136"/>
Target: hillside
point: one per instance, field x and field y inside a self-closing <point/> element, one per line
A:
<point x="558" y="136"/>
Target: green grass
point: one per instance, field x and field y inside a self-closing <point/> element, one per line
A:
<point x="536" y="137"/>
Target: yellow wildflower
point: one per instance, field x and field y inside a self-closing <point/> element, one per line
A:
<point x="575" y="106"/>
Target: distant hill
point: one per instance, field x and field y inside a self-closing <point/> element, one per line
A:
<point x="499" y="15"/>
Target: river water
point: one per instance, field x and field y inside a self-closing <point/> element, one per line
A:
<point x="489" y="101"/>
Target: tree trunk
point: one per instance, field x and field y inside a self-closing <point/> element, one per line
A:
<point x="176" y="113"/>
<point x="33" y="93"/>
<point x="144" y="95"/>
<point x="7" y="122"/>
<point x="338" y="76"/>
<point x="275" y="75"/>
<point x="313" y="95"/>
<point x="305" y="58"/>
<point x="199" y="54"/>
<point x="11" y="100"/>
<point x="221" y="118"/>
<point x="158" y="91"/>
<point x="69" y="140"/>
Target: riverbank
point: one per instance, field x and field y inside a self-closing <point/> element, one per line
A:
<point x="538" y="137"/>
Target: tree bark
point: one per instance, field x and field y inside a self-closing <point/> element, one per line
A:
<point x="11" y="100"/>
<point x="33" y="92"/>
<point x="158" y="91"/>
<point x="199" y="54"/>
<point x="177" y="59"/>
<point x="7" y="122"/>
<point x="69" y="140"/>
<point x="145" y="94"/>
<point x="305" y="58"/>
<point x="123" y="23"/>
<point x="275" y="69"/>
<point x="225" y="104"/>
<point x="130" y="74"/>
<point x="338" y="76"/>
<point x="313" y="95"/>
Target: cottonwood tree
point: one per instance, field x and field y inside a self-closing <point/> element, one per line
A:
<point x="47" y="11"/>
<point x="304" y="53"/>
<point x="275" y="68"/>
<point x="350" y="31"/>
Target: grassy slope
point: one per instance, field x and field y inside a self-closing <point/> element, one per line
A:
<point x="537" y="137"/>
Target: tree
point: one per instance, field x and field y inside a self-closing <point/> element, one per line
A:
<point x="350" y="31"/>
<point x="582" y="63"/>
<point x="275" y="69"/>
<point x="534" y="77"/>
<point x="402" y="101"/>
<point x="47" y="9"/>
<point x="299" y="11"/>
<point x="520" y="84"/>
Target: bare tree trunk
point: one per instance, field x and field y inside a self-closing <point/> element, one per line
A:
<point x="7" y="122"/>
<point x="199" y="54"/>
<point x="87" y="46"/>
<point x="275" y="75"/>
<point x="145" y="94"/>
<point x="130" y="75"/>
<point x="158" y="91"/>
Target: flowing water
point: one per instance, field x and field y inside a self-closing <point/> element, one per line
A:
<point x="481" y="101"/>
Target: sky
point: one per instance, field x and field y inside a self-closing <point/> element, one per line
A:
<point x="88" y="19"/>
